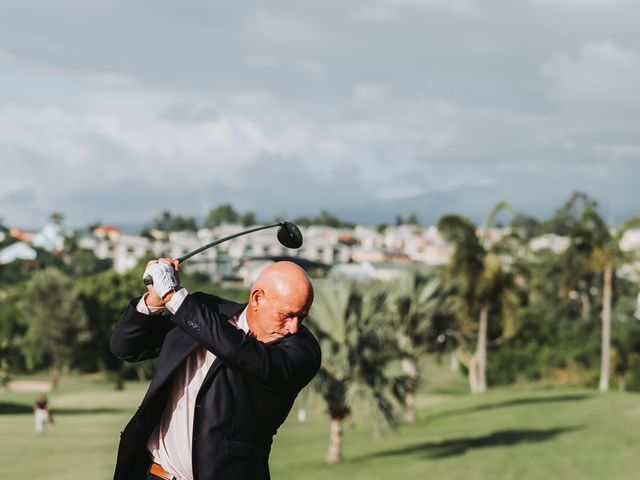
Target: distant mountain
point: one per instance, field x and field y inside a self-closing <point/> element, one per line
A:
<point x="474" y="203"/>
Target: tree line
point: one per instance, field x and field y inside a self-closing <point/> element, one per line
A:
<point x="226" y="213"/>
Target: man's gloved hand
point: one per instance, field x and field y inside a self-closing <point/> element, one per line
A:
<point x="164" y="279"/>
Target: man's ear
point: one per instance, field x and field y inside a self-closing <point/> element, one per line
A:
<point x="256" y="298"/>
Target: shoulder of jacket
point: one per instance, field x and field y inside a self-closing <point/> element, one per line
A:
<point x="209" y="297"/>
<point x="219" y="303"/>
<point x="306" y="338"/>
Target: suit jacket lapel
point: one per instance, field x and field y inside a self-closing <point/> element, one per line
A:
<point x="178" y="346"/>
<point x="181" y="348"/>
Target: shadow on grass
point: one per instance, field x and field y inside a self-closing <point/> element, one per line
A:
<point x="458" y="446"/>
<point x="91" y="411"/>
<point x="511" y="403"/>
<point x="7" y="408"/>
<point x="14" y="408"/>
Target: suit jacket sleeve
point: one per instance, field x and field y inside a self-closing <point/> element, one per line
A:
<point x="137" y="336"/>
<point x="285" y="366"/>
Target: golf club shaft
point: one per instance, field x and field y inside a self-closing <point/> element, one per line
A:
<point x="186" y="256"/>
<point x="292" y="235"/>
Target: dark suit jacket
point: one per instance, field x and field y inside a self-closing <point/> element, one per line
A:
<point x="246" y="395"/>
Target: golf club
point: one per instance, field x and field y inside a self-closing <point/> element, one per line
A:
<point x="289" y="236"/>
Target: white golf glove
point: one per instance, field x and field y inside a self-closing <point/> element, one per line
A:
<point x="164" y="278"/>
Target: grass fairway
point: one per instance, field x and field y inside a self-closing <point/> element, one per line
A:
<point x="504" y="434"/>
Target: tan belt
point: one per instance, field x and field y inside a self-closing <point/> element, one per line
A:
<point x="160" y="472"/>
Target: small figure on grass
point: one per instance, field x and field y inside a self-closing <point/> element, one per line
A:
<point x="41" y="412"/>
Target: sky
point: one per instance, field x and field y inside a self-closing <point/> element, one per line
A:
<point x="115" y="111"/>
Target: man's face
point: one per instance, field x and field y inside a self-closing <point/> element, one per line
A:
<point x="276" y="317"/>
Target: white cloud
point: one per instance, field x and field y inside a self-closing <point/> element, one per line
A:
<point x="579" y="3"/>
<point x="386" y="9"/>
<point x="367" y="94"/>
<point x="602" y="79"/>
<point x="108" y="79"/>
<point x="313" y="69"/>
<point x="260" y="61"/>
<point x="252" y="99"/>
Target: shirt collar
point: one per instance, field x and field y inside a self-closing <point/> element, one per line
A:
<point x="241" y="321"/>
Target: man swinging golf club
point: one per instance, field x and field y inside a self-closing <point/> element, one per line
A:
<point x="226" y="377"/>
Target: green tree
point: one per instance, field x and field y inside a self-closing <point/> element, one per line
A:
<point x="350" y="325"/>
<point x="579" y="221"/>
<point x="55" y="321"/>
<point x="330" y="220"/>
<point x="248" y="218"/>
<point x="167" y="222"/>
<point x="625" y="339"/>
<point x="303" y="221"/>
<point x="568" y="216"/>
<point x="10" y="357"/>
<point x="104" y="297"/>
<point x="482" y="287"/>
<point x="224" y="213"/>
<point x="606" y="258"/>
<point x="414" y="301"/>
<point x="411" y="219"/>
<point x="57" y="218"/>
<point x="594" y="250"/>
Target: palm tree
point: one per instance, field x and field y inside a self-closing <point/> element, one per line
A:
<point x="351" y="325"/>
<point x="606" y="258"/>
<point x="481" y="287"/>
<point x="594" y="249"/>
<point x="414" y="301"/>
<point x="578" y="220"/>
<point x="586" y="232"/>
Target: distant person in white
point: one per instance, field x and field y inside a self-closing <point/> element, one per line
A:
<point x="41" y="413"/>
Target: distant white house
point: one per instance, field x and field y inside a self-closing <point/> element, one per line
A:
<point x="368" y="238"/>
<point x="50" y="238"/>
<point x="550" y="241"/>
<point x="17" y="251"/>
<point x="125" y="251"/>
<point x="250" y="270"/>
<point x="370" y="271"/>
<point x="107" y="231"/>
<point x="630" y="240"/>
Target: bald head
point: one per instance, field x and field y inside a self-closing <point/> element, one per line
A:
<point x="280" y="299"/>
<point x="285" y="279"/>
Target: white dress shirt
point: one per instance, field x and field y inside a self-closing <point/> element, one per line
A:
<point x="170" y="442"/>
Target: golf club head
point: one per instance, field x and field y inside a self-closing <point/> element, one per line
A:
<point x="289" y="235"/>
